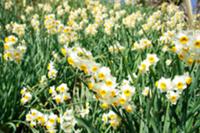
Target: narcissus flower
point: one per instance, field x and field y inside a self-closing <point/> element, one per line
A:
<point x="172" y="96"/>
<point x="164" y="84"/>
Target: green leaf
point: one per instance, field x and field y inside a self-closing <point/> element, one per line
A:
<point x="167" y="120"/>
<point x="86" y="125"/>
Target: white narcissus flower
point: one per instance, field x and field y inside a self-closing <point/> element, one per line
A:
<point x="67" y="121"/>
<point x="52" y="119"/>
<point x="52" y="73"/>
<point x="179" y="83"/>
<point x="103" y="73"/>
<point x="113" y="119"/>
<point x="144" y="66"/>
<point x="183" y="38"/>
<point x="164" y="84"/>
<point x="173" y="96"/>
<point x="26" y="96"/>
<point x="152" y="59"/>
<point x="128" y="90"/>
<point x="110" y="82"/>
<point x="146" y="91"/>
<point x="62" y="88"/>
<point x="91" y="29"/>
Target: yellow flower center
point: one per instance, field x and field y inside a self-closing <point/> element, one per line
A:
<point x="104" y="106"/>
<point x="128" y="109"/>
<point x="173" y="99"/>
<point x="190" y="61"/>
<point x="26" y="97"/>
<point x="113" y="93"/>
<point x="143" y="67"/>
<point x="197" y="44"/>
<point x="101" y="76"/>
<point x="6" y="47"/>
<point x="62" y="89"/>
<point x="70" y="60"/>
<point x="90" y="85"/>
<point x="109" y="83"/>
<point x="183" y="39"/>
<point x="66" y="97"/>
<point x="94" y="68"/>
<point x="163" y="86"/>
<point x="181" y="56"/>
<point x="102" y="92"/>
<point x="127" y="92"/>
<point x="122" y="101"/>
<point x="151" y="59"/>
<point x="51" y="120"/>
<point x="180" y="86"/>
<point x="83" y="67"/>
<point x="41" y="119"/>
<point x="58" y="100"/>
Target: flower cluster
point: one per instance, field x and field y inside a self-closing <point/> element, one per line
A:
<point x="50" y="121"/>
<point x="102" y="83"/>
<point x="150" y="60"/>
<point x="167" y="37"/>
<point x="132" y="19"/>
<point x="116" y="48"/>
<point x="187" y="46"/>
<point x="8" y="4"/>
<point x="169" y="17"/>
<point x="62" y="9"/>
<point x="142" y="44"/>
<point x="18" y="29"/>
<point x="60" y="93"/>
<point x="67" y="121"/>
<point x="153" y="22"/>
<point x="51" y="24"/>
<point x="175" y="87"/>
<point x="35" y="23"/>
<point x="13" y="49"/>
<point x="111" y="118"/>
